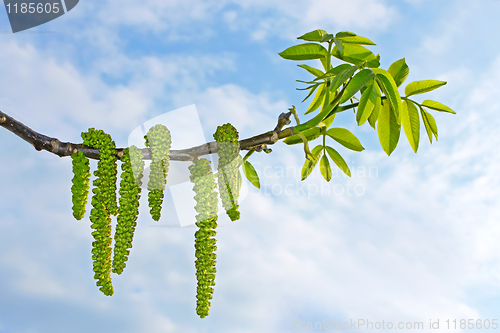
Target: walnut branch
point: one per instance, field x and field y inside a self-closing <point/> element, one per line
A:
<point x="53" y="145"/>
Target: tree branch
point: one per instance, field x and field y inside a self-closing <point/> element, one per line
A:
<point x="53" y="145"/>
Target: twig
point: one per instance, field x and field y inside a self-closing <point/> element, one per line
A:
<point x="55" y="146"/>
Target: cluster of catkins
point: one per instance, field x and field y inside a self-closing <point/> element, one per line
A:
<point x="206" y="206"/>
<point x="104" y="205"/>
<point x="104" y="200"/>
<point x="228" y="175"/>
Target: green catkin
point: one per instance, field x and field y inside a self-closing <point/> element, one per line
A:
<point x="132" y="169"/>
<point x="80" y="187"/>
<point x="104" y="205"/>
<point x="206" y="206"/>
<point x="158" y="138"/>
<point x="227" y="169"/>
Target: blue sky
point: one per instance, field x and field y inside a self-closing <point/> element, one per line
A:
<point x="417" y="242"/>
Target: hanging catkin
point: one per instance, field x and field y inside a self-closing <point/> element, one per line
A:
<point x="227" y="169"/>
<point x="80" y="187"/>
<point x="159" y="140"/>
<point x="103" y="206"/>
<point x="132" y="169"/>
<point x="205" y="247"/>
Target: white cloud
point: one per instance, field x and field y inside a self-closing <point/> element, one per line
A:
<point x="179" y="20"/>
<point x="293" y="18"/>
<point x="250" y="113"/>
<point x="59" y="91"/>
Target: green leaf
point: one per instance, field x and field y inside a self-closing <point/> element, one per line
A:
<point x="318" y="99"/>
<point x="366" y="104"/>
<point x="339" y="45"/>
<point x="356" y="40"/>
<point x="420" y="87"/>
<point x="357" y="55"/>
<point x="309" y="165"/>
<point x="388" y="86"/>
<point x="426" y="124"/>
<point x="327" y="108"/>
<point x="372" y="119"/>
<point x="345" y="138"/>
<point x="306" y="51"/>
<point x="312" y="84"/>
<point x="314" y="71"/>
<point x="437" y="106"/>
<point x="359" y="81"/>
<point x="431" y="122"/>
<point x="411" y="123"/>
<point x="326" y="38"/>
<point x="313" y="88"/>
<point x="399" y="70"/>
<point x="328" y="121"/>
<point x="324" y="167"/>
<point x="388" y="129"/>
<point x="343" y="77"/>
<point x="338" y="160"/>
<point x="251" y="174"/>
<point x="310" y="134"/>
<point x="313" y="36"/>
<point x="334" y="71"/>
<point x="343" y="34"/>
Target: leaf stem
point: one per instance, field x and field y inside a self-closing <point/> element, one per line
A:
<point x="323" y="131"/>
